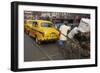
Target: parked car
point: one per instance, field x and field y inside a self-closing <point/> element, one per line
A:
<point x="41" y="30"/>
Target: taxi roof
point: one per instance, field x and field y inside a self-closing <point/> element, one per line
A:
<point x="40" y="21"/>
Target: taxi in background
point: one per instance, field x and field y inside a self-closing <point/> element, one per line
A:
<point x="41" y="30"/>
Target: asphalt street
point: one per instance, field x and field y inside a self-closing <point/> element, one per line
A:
<point x="45" y="51"/>
<point x="49" y="51"/>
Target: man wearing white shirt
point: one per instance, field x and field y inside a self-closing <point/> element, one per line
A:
<point x="63" y="30"/>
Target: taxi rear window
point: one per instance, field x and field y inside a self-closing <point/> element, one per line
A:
<point x="44" y="24"/>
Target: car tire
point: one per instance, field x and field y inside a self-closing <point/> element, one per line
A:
<point x="24" y="30"/>
<point x="37" y="41"/>
<point x="29" y="33"/>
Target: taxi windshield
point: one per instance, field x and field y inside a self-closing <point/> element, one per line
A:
<point x="45" y="24"/>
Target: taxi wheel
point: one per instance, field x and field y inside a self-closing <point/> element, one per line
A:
<point x="29" y="34"/>
<point x="37" y="41"/>
<point x="25" y="31"/>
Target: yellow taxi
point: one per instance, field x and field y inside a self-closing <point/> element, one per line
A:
<point x="41" y="30"/>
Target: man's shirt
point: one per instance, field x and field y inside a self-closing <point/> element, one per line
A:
<point x="64" y="29"/>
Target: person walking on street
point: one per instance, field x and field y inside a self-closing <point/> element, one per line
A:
<point x="63" y="33"/>
<point x="63" y="40"/>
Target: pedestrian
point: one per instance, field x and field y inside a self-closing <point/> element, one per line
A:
<point x="64" y="47"/>
<point x="63" y="33"/>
